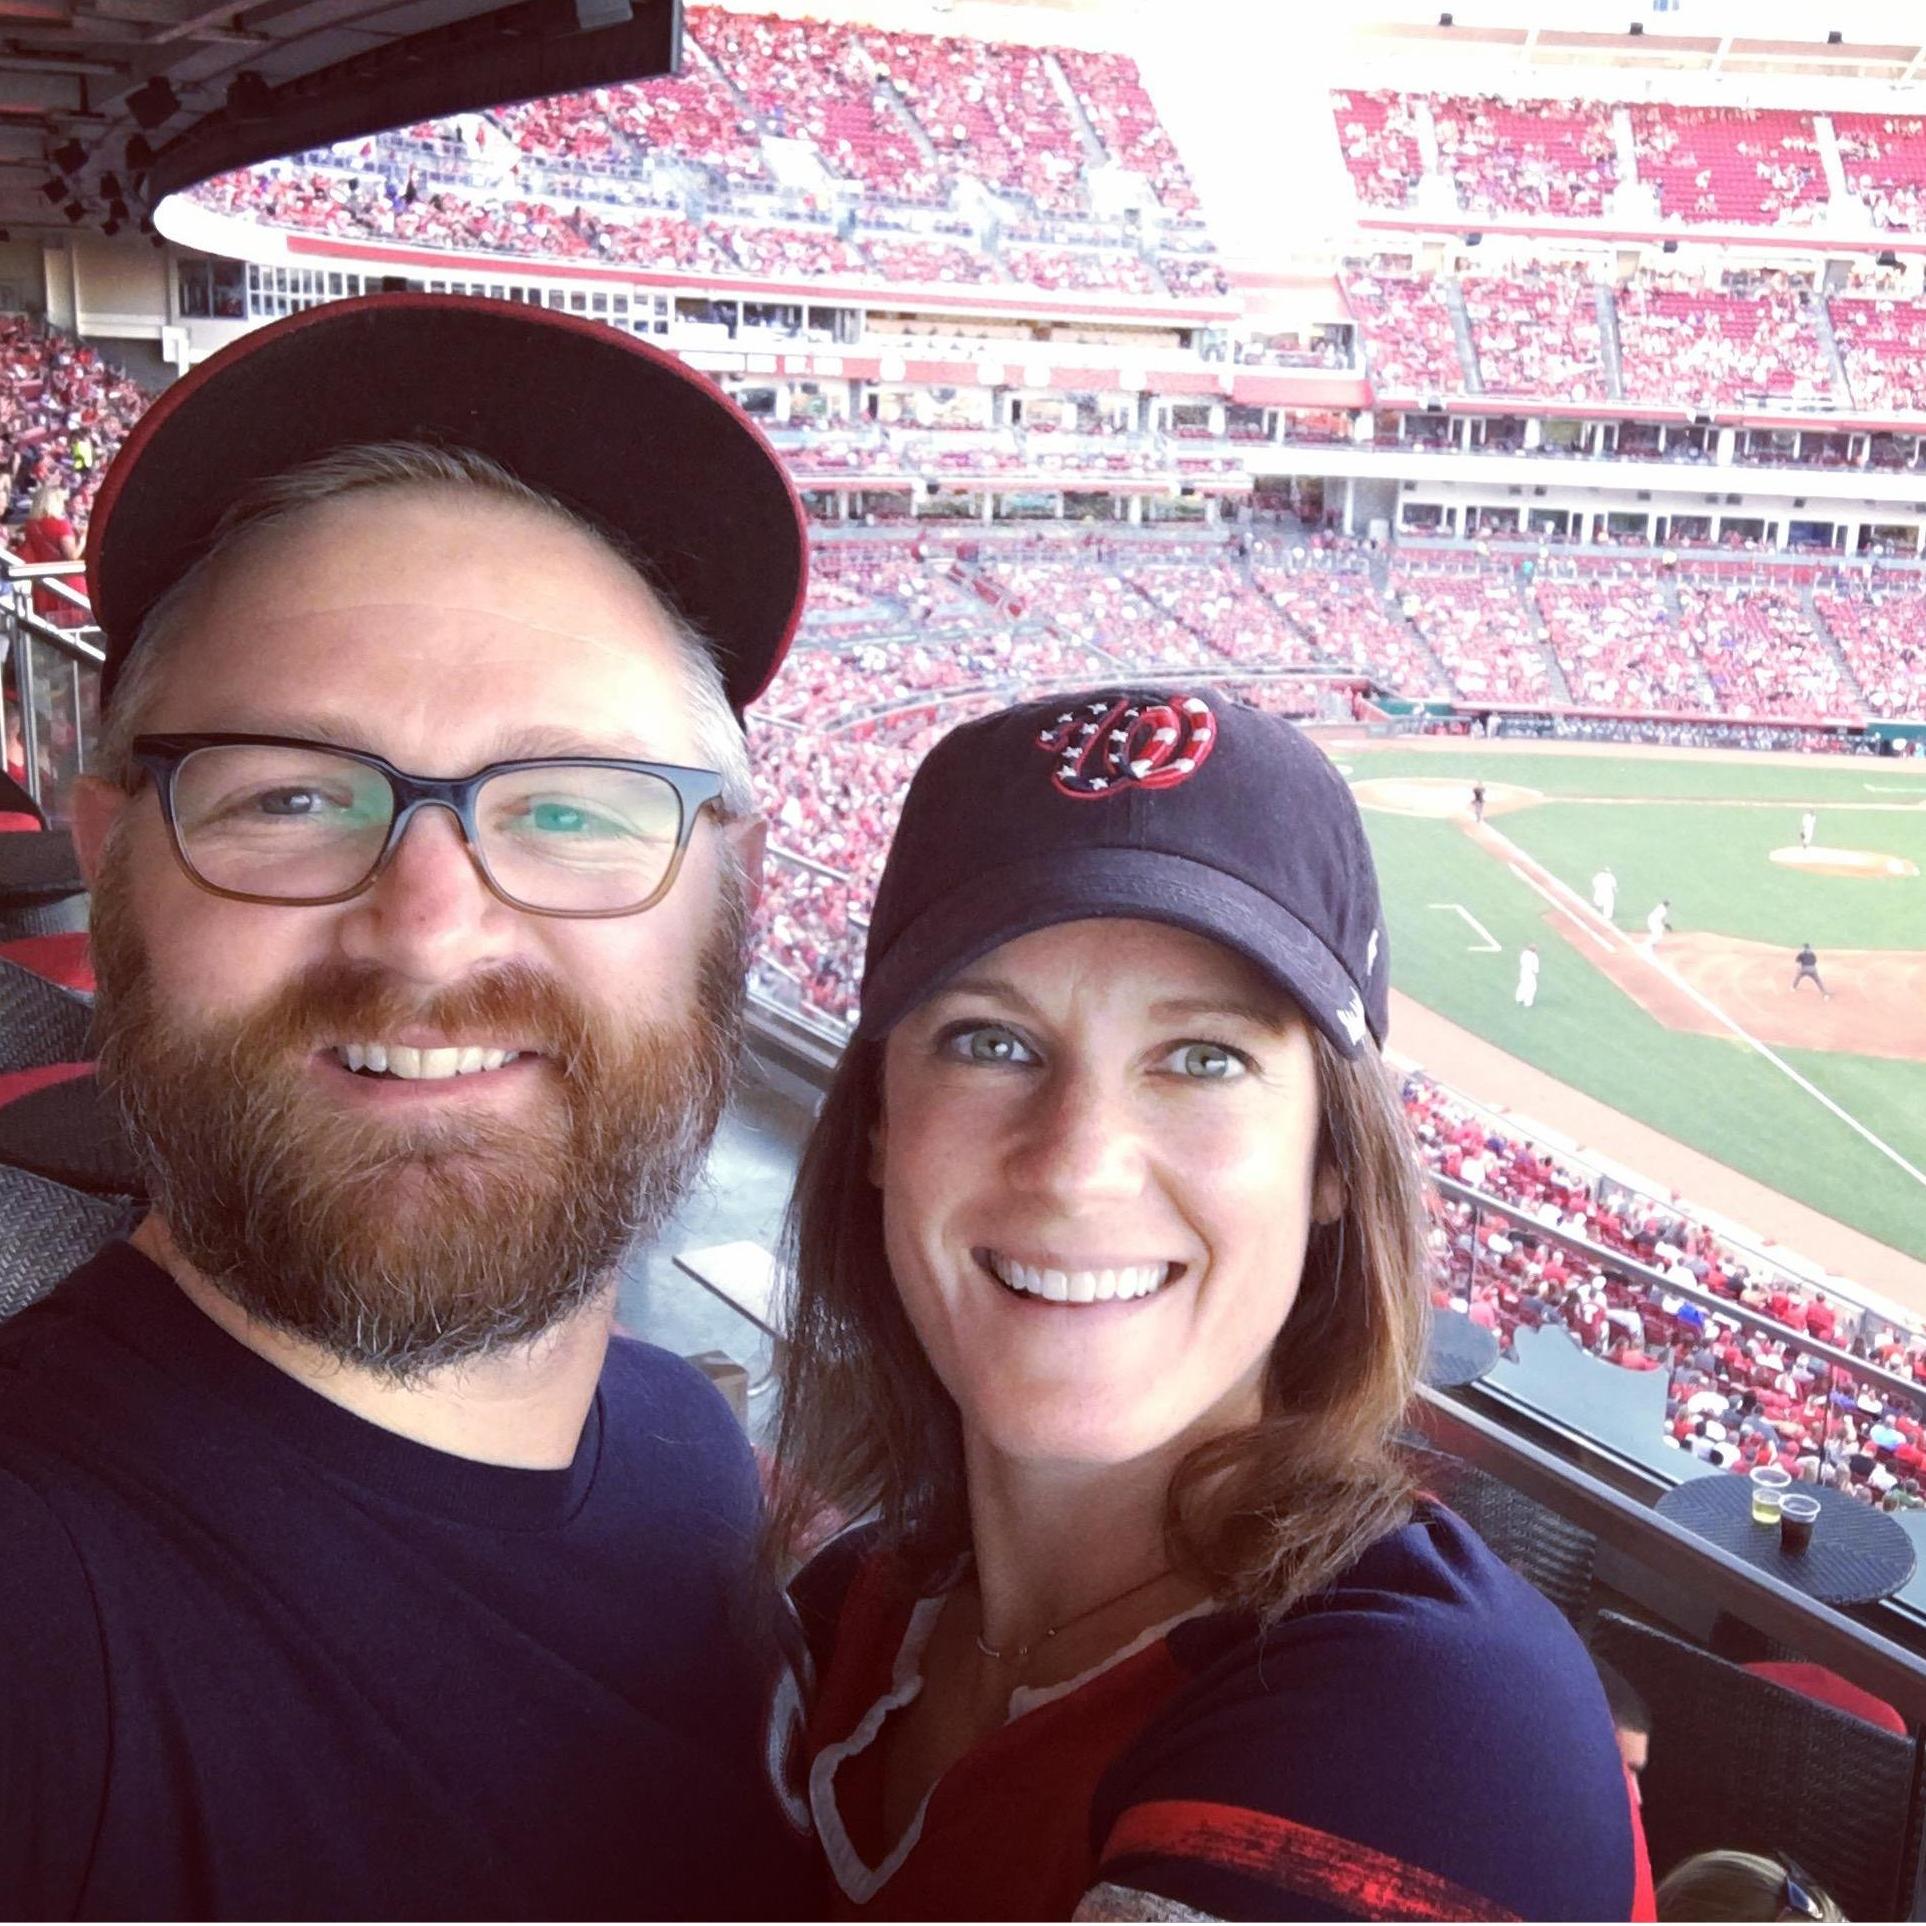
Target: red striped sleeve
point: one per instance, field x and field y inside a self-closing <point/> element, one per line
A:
<point x="1291" y="1858"/>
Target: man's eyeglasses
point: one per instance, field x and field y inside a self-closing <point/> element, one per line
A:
<point x="274" y="819"/>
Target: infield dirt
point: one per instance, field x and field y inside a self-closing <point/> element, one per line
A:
<point x="1877" y="1006"/>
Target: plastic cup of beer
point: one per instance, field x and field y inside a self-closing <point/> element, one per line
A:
<point x="1769" y="1485"/>
<point x="1797" y="1514"/>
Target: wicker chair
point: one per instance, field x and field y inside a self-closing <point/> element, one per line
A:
<point x="1738" y="1761"/>
<point x="45" y="1231"/>
<point x="1551" y="1552"/>
<point x="40" y="1022"/>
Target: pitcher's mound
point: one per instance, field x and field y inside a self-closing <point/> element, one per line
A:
<point x="1845" y="862"/>
<point x="1439" y="796"/>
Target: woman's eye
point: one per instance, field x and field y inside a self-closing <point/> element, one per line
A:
<point x="1207" y="1062"/>
<point x="987" y="1043"/>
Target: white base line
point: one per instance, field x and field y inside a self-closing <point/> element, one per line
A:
<point x="1477" y="949"/>
<point x="1712" y="1009"/>
<point x="1590" y="929"/>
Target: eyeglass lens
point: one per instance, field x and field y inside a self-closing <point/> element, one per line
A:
<point x="301" y="825"/>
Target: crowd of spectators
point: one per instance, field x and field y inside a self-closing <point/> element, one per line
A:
<point x="1405" y="321"/>
<point x="1716" y="346"/>
<point x="1328" y="594"/>
<point x="1881" y="631"/>
<point x="1884" y="160"/>
<point x="1476" y="625"/>
<point x="1618" y="643"/>
<point x="1527" y="156"/>
<point x="64" y="411"/>
<point x="1377" y="133"/>
<point x="1882" y="343"/>
<point x="1737" y="1395"/>
<point x="1538" y="334"/>
<point x="1757" y="166"/>
<point x="1761" y="653"/>
<point x="1124" y="118"/>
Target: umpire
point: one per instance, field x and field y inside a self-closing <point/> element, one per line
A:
<point x="1808" y="962"/>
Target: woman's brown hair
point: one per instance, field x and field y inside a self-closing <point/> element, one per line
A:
<point x="1268" y="1514"/>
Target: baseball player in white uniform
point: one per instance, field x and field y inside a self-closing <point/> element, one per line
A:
<point x="1605" y="892"/>
<point x="1527" y="990"/>
<point x="1659" y="923"/>
<point x="1808" y="828"/>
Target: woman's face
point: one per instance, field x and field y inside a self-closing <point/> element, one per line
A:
<point x="1098" y="1160"/>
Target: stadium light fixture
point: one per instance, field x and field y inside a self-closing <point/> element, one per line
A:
<point x="117" y="210"/>
<point x="110" y="186"/>
<point x="74" y="212"/>
<point x="1887" y="258"/>
<point x="1835" y="38"/>
<point x="1445" y="20"/>
<point x="138" y="155"/>
<point x="110" y="228"/>
<point x="1636" y="29"/>
<point x="54" y="190"/>
<point x="153" y="104"/>
<point x="70" y="157"/>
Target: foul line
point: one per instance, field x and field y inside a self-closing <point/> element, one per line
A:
<point x="1705" y="1003"/>
<point x="1603" y="942"/>
<point x="1477" y="949"/>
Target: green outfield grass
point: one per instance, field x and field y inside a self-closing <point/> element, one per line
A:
<point x="1710" y="859"/>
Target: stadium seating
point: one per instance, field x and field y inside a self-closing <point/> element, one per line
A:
<point x="1753" y="166"/>
<point x="1619" y="644"/>
<point x="1537" y="335"/>
<point x="1410" y="348"/>
<point x="1881" y="632"/>
<point x="1527" y="157"/>
<point x="1698" y="345"/>
<point x="1884" y="158"/>
<point x="1111" y="93"/>
<point x="1477" y="626"/>
<point x="1380" y="146"/>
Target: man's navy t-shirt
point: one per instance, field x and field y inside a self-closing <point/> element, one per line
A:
<point x="261" y="1658"/>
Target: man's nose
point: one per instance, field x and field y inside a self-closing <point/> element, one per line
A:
<point x="430" y="915"/>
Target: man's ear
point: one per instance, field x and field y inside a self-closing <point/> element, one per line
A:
<point x="749" y="841"/>
<point x="1327" y="1195"/>
<point x="97" y="804"/>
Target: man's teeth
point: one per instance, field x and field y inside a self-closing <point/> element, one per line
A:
<point x="422" y="1066"/>
<point x="1079" y="1287"/>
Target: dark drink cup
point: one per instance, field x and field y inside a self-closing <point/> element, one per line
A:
<point x="1797" y="1514"/>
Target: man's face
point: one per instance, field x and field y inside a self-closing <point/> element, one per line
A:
<point x="404" y="1224"/>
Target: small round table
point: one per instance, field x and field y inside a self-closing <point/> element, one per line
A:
<point x="1857" y="1554"/>
<point x="1459" y="1351"/>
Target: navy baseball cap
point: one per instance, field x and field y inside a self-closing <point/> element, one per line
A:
<point x="1194" y="810"/>
<point x="621" y="432"/>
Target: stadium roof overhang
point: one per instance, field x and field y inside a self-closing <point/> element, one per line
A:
<point x="106" y="106"/>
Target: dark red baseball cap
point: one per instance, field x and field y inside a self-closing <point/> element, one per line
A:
<point x="618" y="430"/>
<point x="1170" y="806"/>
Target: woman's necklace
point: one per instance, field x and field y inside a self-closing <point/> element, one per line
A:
<point x="1016" y="1654"/>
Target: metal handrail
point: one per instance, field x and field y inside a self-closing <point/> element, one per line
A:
<point x="1605" y="1258"/>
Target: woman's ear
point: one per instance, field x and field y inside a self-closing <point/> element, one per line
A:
<point x="1327" y="1195"/>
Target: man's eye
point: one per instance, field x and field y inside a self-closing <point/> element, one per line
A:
<point x="1207" y="1062"/>
<point x="986" y="1043"/>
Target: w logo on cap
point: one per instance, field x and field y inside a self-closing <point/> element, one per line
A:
<point x="1129" y="742"/>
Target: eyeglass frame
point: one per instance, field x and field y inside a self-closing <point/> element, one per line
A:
<point x="161" y="758"/>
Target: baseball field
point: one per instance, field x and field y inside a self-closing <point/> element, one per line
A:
<point x="1701" y="1036"/>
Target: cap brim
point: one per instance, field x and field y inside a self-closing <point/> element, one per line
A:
<point x="612" y="427"/>
<point x="1002" y="904"/>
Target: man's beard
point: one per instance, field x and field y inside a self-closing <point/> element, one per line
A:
<point x="403" y="1241"/>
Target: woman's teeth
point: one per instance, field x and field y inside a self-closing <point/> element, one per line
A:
<point x="403" y="1060"/>
<point x="1079" y="1287"/>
